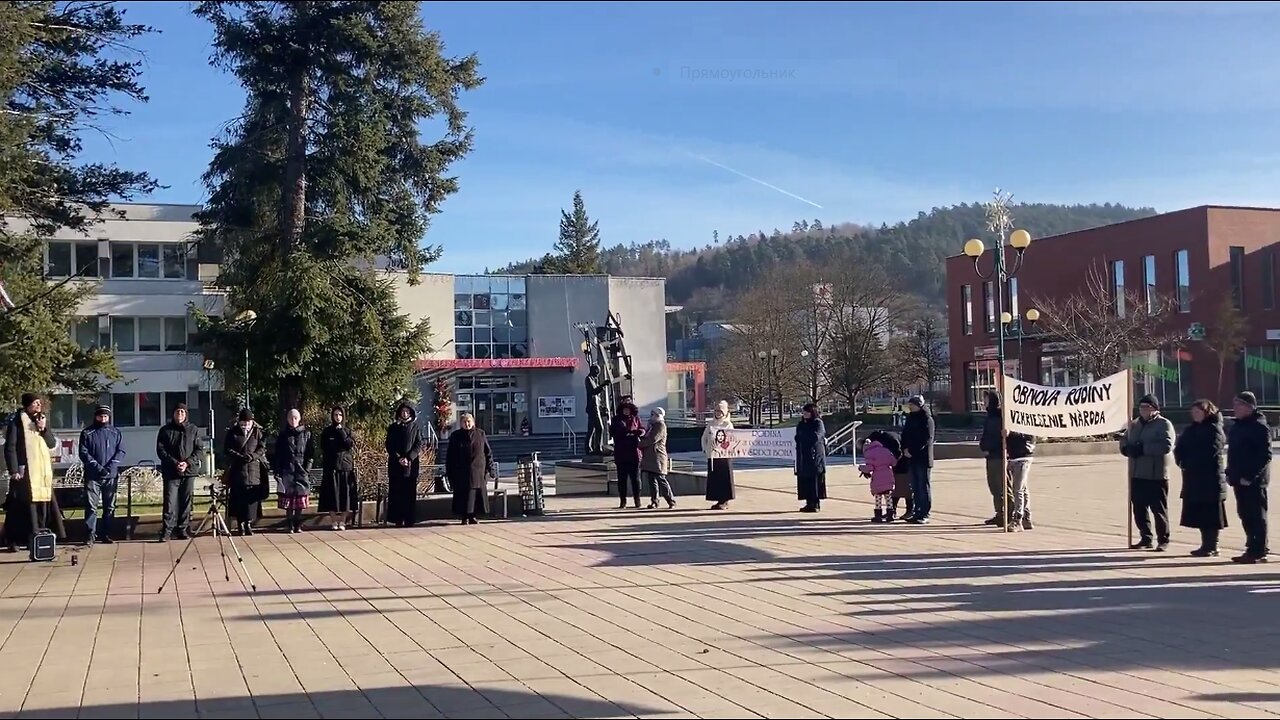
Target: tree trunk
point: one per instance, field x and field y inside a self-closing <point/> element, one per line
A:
<point x="293" y="194"/>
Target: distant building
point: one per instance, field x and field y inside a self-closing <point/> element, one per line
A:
<point x="1196" y="256"/>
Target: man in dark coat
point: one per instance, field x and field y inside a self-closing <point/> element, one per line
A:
<point x="180" y="451"/>
<point x="1249" y="472"/>
<point x="811" y="459"/>
<point x="101" y="452"/>
<point x="626" y="431"/>
<point x="469" y="464"/>
<point x="404" y="448"/>
<point x="1148" y="443"/>
<point x="917" y="448"/>
<point x="991" y="445"/>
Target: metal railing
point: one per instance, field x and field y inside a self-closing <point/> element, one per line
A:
<point x="843" y="441"/>
<point x="567" y="432"/>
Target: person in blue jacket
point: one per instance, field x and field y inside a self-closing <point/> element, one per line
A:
<point x="101" y="451"/>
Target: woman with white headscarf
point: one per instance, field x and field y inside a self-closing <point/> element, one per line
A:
<point x="719" y="470"/>
<point x="294" y="453"/>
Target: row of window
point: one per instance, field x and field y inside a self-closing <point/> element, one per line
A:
<point x="122" y="260"/>
<point x="67" y="412"/>
<point x="1181" y="289"/>
<point x="1267" y="265"/>
<point x="132" y="334"/>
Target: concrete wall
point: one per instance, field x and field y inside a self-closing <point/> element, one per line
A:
<point x="431" y="299"/>
<point x="556" y="303"/>
<point x="640" y="306"/>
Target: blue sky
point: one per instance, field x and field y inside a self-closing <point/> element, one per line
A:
<point x="873" y="111"/>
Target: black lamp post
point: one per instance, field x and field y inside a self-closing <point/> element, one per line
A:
<point x="1000" y="223"/>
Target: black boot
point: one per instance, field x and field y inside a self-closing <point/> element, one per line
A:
<point x="879" y="516"/>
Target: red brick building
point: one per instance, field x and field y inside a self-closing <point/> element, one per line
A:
<point x="1196" y="256"/>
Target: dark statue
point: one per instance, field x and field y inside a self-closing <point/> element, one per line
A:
<point x="595" y="422"/>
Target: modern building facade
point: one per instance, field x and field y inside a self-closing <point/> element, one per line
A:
<point x="511" y="351"/>
<point x="148" y="279"/>
<point x="1195" y="257"/>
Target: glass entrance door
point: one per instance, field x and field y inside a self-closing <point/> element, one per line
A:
<point x="498" y="407"/>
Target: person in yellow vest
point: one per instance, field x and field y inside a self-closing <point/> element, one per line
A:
<point x="30" y="504"/>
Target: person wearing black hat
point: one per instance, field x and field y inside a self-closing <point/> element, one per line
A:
<point x="404" y="451"/>
<point x="30" y="503"/>
<point x="1148" y="443"/>
<point x="101" y="452"/>
<point x="917" y="448"/>
<point x="180" y="451"/>
<point x="247" y="474"/>
<point x="1249" y="473"/>
<point x="811" y="459"/>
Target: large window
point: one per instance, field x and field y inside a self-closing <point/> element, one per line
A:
<point x="490" y="318"/>
<point x="137" y="334"/>
<point x="1182" y="281"/>
<point x="1259" y="371"/>
<point x="1117" y="286"/>
<point x="1012" y="305"/>
<point x="1269" y="279"/>
<point x="127" y="409"/>
<point x="1149" y="281"/>
<point x="1165" y="374"/>
<point x="124" y="409"/>
<point x="989" y="306"/>
<point x="981" y="377"/>
<point x="966" y="309"/>
<point x="65" y="258"/>
<point x="1237" y="277"/>
<point x="85" y="332"/>
<point x="151" y="261"/>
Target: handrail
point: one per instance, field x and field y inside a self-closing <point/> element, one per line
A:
<point x="844" y="438"/>
<point x="566" y="430"/>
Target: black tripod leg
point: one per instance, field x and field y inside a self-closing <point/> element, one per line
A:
<point x="183" y="554"/>
<point x="245" y="578"/>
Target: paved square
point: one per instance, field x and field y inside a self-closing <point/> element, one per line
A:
<point x="592" y="612"/>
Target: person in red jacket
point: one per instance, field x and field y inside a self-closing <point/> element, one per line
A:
<point x="626" y="431"/>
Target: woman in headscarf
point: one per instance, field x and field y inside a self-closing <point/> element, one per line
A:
<point x="811" y="459"/>
<point x="30" y="504"/>
<point x="719" y="470"/>
<point x="404" y="446"/>
<point x="1200" y="452"/>
<point x="625" y="430"/>
<point x="246" y="475"/>
<point x="338" y="495"/>
<point x="469" y="465"/>
<point x="294" y="451"/>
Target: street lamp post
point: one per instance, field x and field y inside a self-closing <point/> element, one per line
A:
<point x="1032" y="317"/>
<point x="208" y="386"/>
<point x="245" y="320"/>
<point x="1000" y="223"/>
<point x="769" y="372"/>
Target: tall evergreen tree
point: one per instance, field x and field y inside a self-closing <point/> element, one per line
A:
<point x="324" y="173"/>
<point x="61" y="72"/>
<point x="578" y="249"/>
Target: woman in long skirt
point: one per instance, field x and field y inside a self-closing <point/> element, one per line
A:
<point x="404" y="446"/>
<point x="247" y="476"/>
<point x="469" y="465"/>
<point x="1199" y="452"/>
<point x="719" y="470"/>
<point x="338" y="495"/>
<point x="811" y="459"/>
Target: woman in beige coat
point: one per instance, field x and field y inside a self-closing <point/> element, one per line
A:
<point x="654" y="463"/>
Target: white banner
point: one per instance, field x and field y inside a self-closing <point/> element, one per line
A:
<point x="1098" y="408"/>
<point x="777" y="443"/>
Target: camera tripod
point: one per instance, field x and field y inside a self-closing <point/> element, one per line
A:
<point x="213" y="519"/>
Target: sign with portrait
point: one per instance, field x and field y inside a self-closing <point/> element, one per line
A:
<point x="779" y="443"/>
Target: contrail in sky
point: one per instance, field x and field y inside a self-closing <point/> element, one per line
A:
<point x="709" y="161"/>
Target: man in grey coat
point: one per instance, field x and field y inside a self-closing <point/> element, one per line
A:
<point x="1148" y="443"/>
<point x="655" y="465"/>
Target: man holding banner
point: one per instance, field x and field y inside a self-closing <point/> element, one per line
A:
<point x="1148" y="443"/>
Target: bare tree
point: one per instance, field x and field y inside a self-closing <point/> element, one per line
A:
<point x="1104" y="329"/>
<point x="922" y="351"/>
<point x="866" y="307"/>
<point x="1227" y="337"/>
<point x="762" y="351"/>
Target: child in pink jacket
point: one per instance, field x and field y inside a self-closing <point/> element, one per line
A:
<point x="878" y="462"/>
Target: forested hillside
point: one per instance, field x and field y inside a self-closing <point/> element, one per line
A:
<point x="704" y="277"/>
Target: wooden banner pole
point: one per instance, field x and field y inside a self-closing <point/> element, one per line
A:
<point x="1005" y="516"/>
<point x="1128" y="482"/>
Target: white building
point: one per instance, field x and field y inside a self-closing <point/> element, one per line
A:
<point x="148" y="278"/>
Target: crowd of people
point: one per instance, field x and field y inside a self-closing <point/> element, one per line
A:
<point x="897" y="466"/>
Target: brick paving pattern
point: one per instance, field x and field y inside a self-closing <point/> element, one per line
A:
<point x="591" y="612"/>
